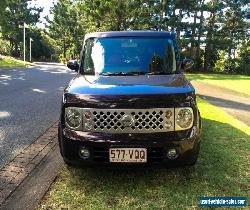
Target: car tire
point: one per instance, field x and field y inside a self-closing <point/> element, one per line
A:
<point x="194" y="156"/>
<point x="67" y="162"/>
<point x="70" y="163"/>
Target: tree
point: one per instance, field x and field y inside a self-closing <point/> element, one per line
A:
<point x="244" y="66"/>
<point x="17" y="12"/>
<point x="65" y="28"/>
<point x="202" y="9"/>
<point x="3" y="4"/>
<point x="215" y="7"/>
<point x="109" y="15"/>
<point x="42" y="45"/>
<point x="234" y="27"/>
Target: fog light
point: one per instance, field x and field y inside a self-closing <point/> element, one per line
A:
<point x="172" y="154"/>
<point x="84" y="153"/>
<point x="168" y="114"/>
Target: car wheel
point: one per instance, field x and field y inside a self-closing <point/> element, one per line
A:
<point x="194" y="156"/>
<point x="69" y="163"/>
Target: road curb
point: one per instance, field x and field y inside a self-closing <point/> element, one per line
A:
<point x="15" y="67"/>
<point x="15" y="172"/>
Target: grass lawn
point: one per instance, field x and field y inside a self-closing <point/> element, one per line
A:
<point x="223" y="169"/>
<point x="6" y="61"/>
<point x="237" y="83"/>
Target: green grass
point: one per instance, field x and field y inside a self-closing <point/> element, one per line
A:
<point x="223" y="169"/>
<point x="6" y="61"/>
<point x="238" y="83"/>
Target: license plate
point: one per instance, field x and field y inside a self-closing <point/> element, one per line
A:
<point x="128" y="155"/>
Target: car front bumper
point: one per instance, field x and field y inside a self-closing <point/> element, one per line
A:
<point x="186" y="143"/>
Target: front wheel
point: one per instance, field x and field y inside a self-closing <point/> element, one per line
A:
<point x="193" y="156"/>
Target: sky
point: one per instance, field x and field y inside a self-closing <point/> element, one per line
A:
<point x="46" y="5"/>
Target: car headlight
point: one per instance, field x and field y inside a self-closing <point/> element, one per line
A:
<point x="73" y="118"/>
<point x="184" y="118"/>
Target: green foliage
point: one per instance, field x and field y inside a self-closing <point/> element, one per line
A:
<point x="238" y="65"/>
<point x="244" y="62"/>
<point x="42" y="45"/>
<point x="17" y="12"/>
<point x="5" y="48"/>
<point x="106" y="15"/>
<point x="231" y="65"/>
<point x="6" y="61"/>
<point x="220" y="63"/>
<point x="66" y="29"/>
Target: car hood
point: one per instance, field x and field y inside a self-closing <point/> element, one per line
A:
<point x="129" y="85"/>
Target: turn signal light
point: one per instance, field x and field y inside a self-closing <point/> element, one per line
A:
<point x="168" y="114"/>
<point x="87" y="115"/>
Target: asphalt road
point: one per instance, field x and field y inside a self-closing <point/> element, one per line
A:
<point x="29" y="104"/>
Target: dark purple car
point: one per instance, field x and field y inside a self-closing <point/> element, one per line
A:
<point x="130" y="103"/>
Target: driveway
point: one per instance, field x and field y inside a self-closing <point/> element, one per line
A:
<point x="234" y="103"/>
<point x="29" y="104"/>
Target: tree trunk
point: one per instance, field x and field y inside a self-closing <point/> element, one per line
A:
<point x="198" y="46"/>
<point x="193" y="34"/>
<point x="230" y="46"/>
<point x="64" y="50"/>
<point x="208" y="48"/>
<point x="178" y="27"/>
<point x="119" y="22"/>
<point x="161" y="15"/>
<point x="172" y="27"/>
<point x="15" y="51"/>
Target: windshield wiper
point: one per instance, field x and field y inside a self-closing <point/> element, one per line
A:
<point x="132" y="73"/>
<point x="158" y="73"/>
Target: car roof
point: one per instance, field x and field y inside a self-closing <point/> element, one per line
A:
<point x="166" y="34"/>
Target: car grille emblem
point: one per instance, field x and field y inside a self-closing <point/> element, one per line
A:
<point x="127" y="121"/>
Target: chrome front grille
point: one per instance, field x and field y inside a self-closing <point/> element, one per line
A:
<point x="128" y="120"/>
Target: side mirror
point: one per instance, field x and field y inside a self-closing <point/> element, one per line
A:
<point x="187" y="64"/>
<point x="73" y="65"/>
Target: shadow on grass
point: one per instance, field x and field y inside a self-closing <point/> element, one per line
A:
<point x="222" y="170"/>
<point x="239" y="105"/>
<point x="216" y="77"/>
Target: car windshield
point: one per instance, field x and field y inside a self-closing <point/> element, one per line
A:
<point x="128" y="56"/>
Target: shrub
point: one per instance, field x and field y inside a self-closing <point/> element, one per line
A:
<point x="5" y="48"/>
